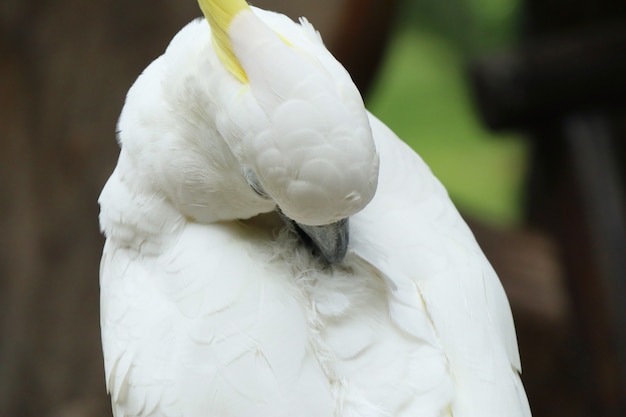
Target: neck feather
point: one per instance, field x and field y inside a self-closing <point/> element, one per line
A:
<point x="133" y="215"/>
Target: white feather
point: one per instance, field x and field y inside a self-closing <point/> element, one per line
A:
<point x="204" y="314"/>
<point x="421" y="241"/>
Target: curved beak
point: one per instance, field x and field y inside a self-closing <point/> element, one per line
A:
<point x="331" y="240"/>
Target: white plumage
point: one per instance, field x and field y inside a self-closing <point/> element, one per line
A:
<point x="211" y="306"/>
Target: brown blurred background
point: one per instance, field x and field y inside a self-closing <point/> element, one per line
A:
<point x="65" y="69"/>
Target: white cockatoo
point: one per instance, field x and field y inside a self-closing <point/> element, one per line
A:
<point x="274" y="250"/>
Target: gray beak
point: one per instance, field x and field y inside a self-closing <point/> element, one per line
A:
<point x="331" y="240"/>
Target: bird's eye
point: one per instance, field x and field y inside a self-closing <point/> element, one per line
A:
<point x="254" y="183"/>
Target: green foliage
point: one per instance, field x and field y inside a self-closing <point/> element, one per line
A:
<point x="421" y="94"/>
<point x="471" y="26"/>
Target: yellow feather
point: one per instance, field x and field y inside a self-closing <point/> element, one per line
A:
<point x="219" y="14"/>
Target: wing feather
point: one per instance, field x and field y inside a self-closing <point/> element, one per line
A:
<point x="200" y="329"/>
<point x="437" y="271"/>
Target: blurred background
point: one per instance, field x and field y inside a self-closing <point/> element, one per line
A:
<point x="517" y="105"/>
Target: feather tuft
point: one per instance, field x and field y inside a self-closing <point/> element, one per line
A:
<point x="219" y="14"/>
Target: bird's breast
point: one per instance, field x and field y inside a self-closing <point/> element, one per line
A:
<point x="260" y="326"/>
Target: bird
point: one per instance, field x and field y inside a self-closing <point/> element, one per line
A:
<point x="273" y="249"/>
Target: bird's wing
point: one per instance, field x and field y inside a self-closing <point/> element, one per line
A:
<point x="413" y="234"/>
<point x="206" y="326"/>
<point x="136" y="328"/>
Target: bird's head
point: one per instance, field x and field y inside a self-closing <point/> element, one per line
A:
<point x="262" y="117"/>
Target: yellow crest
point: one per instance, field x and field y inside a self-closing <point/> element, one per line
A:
<point x="219" y="14"/>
